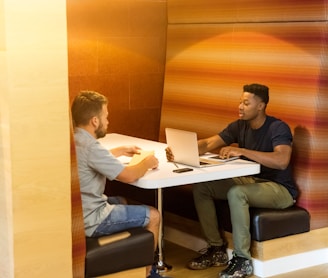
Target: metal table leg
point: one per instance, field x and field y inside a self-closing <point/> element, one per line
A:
<point x="161" y="265"/>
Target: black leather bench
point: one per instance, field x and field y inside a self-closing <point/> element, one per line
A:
<point x="122" y="251"/>
<point x="269" y="223"/>
<point x="265" y="223"/>
<point x="274" y="223"/>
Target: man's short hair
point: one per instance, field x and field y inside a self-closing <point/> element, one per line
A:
<point x="87" y="105"/>
<point x="259" y="90"/>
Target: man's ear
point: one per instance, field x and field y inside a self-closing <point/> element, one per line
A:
<point x="262" y="106"/>
<point x="94" y="121"/>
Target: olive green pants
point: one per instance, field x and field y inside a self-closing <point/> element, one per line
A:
<point x="241" y="193"/>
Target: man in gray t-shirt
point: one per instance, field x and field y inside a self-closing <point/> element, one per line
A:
<point x="106" y="215"/>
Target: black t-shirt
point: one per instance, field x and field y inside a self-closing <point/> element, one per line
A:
<point x="272" y="133"/>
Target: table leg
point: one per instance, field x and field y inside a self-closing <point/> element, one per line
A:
<point x="161" y="265"/>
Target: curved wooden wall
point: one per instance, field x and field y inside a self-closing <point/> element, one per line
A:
<point x="215" y="47"/>
<point x="78" y="234"/>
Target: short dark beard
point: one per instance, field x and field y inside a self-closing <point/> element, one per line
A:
<point x="99" y="132"/>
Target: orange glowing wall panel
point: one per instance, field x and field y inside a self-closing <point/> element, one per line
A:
<point x="118" y="49"/>
<point x="209" y="11"/>
<point x="215" y="47"/>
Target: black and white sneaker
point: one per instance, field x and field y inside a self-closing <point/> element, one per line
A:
<point x="238" y="267"/>
<point x="213" y="256"/>
<point x="154" y="273"/>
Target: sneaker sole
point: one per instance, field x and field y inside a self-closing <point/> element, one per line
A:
<point x="202" y="268"/>
<point x="221" y="264"/>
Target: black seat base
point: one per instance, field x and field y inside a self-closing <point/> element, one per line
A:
<point x="135" y="251"/>
<point x="274" y="223"/>
<point x="267" y="223"/>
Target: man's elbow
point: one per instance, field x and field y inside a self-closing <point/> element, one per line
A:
<point x="283" y="165"/>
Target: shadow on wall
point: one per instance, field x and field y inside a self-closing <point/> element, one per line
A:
<point x="301" y="157"/>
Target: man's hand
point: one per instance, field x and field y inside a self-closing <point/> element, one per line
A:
<point x="125" y="150"/>
<point x="227" y="152"/>
<point x="131" y="173"/>
<point x="169" y="154"/>
<point x="151" y="162"/>
<point x="130" y="150"/>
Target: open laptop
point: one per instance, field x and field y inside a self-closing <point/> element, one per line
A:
<point x="184" y="147"/>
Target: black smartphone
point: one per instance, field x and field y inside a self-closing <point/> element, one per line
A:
<point x="182" y="170"/>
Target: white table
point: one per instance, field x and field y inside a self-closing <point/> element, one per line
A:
<point x="164" y="176"/>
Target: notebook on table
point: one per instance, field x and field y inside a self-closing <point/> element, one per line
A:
<point x="185" y="149"/>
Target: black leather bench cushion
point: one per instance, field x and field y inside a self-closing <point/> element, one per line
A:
<point x="269" y="223"/>
<point x="273" y="223"/>
<point x="134" y="251"/>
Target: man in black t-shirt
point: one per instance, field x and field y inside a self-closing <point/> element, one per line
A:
<point x="260" y="138"/>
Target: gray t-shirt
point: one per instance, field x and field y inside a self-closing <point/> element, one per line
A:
<point x="95" y="164"/>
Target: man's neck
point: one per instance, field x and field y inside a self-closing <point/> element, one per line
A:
<point x="88" y="129"/>
<point x="257" y="122"/>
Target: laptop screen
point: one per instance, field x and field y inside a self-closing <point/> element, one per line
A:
<point x="183" y="145"/>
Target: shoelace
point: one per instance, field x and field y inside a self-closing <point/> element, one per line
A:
<point x="233" y="265"/>
<point x="206" y="252"/>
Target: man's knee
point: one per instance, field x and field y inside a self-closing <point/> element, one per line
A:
<point x="154" y="215"/>
<point x="200" y="189"/>
<point x="236" y="192"/>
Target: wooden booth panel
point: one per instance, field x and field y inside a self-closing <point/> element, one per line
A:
<point x="210" y="11"/>
<point x="118" y="49"/>
<point x="208" y="64"/>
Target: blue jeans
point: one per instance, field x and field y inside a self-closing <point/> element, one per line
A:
<point x="122" y="217"/>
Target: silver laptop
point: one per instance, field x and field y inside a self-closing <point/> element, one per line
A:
<point x="184" y="147"/>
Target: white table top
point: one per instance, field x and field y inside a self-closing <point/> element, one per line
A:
<point x="163" y="175"/>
